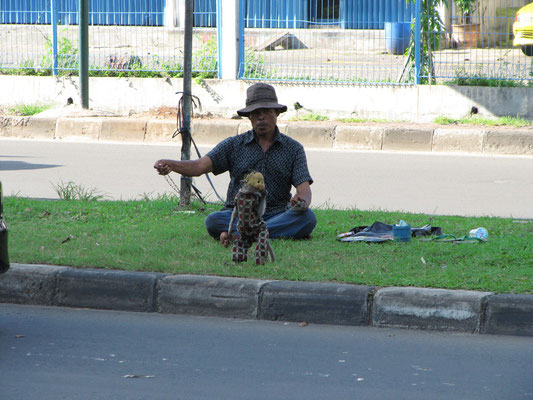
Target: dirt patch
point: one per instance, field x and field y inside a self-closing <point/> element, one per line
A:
<point x="159" y="113"/>
<point x="167" y="113"/>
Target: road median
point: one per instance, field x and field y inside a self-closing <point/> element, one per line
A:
<point x="302" y="302"/>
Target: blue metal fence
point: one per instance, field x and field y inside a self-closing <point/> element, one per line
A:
<point x="348" y="14"/>
<point x="335" y="41"/>
<point x="25" y="12"/>
<point x="340" y="41"/>
<point x="124" y="35"/>
<point x="353" y="41"/>
<point x="370" y="14"/>
<point x="205" y="12"/>
<point x="276" y="14"/>
<point x="127" y="12"/>
<point x="102" y="12"/>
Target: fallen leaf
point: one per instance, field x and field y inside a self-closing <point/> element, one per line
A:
<point x="44" y="214"/>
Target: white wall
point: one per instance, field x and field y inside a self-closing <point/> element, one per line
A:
<point x="223" y="97"/>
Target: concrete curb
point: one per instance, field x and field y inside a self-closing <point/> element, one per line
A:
<point x="510" y="314"/>
<point x="209" y="295"/>
<point x="321" y="303"/>
<point x="104" y="289"/>
<point x="312" y="135"/>
<point x="437" y="309"/>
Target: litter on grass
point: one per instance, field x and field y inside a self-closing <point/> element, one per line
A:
<point x="379" y="232"/>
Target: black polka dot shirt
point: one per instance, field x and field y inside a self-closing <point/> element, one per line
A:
<point x="283" y="165"/>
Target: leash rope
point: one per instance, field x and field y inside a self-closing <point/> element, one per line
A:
<point x="181" y="130"/>
<point x="174" y="186"/>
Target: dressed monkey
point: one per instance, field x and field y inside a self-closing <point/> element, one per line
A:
<point x="250" y="204"/>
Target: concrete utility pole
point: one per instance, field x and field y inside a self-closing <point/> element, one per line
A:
<point x="185" y="188"/>
<point x="230" y="49"/>
<point x="84" y="52"/>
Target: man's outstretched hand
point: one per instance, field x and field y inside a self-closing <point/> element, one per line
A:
<point x="298" y="203"/>
<point x="163" y="167"/>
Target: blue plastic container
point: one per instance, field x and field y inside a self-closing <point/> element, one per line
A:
<point x="401" y="233"/>
<point x="397" y="37"/>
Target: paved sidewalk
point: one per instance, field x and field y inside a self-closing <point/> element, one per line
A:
<point x="95" y="126"/>
<point x="309" y="302"/>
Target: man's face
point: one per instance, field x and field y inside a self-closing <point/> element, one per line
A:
<point x="264" y="120"/>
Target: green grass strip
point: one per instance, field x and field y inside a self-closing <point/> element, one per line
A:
<point x="158" y="235"/>
<point x="516" y="122"/>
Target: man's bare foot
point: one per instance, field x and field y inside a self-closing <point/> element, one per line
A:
<point x="224" y="239"/>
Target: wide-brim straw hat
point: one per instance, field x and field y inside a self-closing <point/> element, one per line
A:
<point x="260" y="95"/>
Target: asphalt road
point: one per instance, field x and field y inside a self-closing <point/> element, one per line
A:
<point x="62" y="353"/>
<point x="445" y="184"/>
